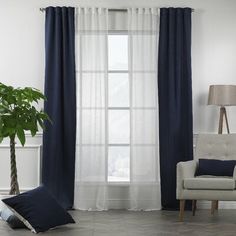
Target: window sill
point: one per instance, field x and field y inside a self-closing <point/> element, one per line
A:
<point x="118" y="184"/>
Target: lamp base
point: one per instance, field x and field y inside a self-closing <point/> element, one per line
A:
<point x="221" y="120"/>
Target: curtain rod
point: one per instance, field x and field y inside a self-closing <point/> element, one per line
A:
<point x="110" y="9"/>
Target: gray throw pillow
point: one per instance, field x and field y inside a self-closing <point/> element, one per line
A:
<point x="13" y="221"/>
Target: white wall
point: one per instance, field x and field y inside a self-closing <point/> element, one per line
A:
<point x="213" y="47"/>
<point x="28" y="163"/>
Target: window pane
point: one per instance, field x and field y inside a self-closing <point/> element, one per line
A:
<point x="144" y="126"/>
<point x="118" y="90"/>
<point x="144" y="163"/>
<point x="91" y="168"/>
<point x="119" y="126"/>
<point x="145" y="58"/>
<point x="93" y="126"/>
<point x="93" y="56"/>
<point x="118" y="52"/>
<point x="118" y="164"/>
<point x="144" y="90"/>
<point x="93" y="90"/>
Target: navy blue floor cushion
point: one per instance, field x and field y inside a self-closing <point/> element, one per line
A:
<point x="38" y="210"/>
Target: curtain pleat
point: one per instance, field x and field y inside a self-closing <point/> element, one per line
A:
<point x="58" y="164"/>
<point x="175" y="98"/>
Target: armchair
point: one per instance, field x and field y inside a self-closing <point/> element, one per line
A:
<point x="189" y="187"/>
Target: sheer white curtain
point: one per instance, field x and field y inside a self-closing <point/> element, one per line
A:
<point x="91" y="156"/>
<point x="143" y="26"/>
<point x="92" y="189"/>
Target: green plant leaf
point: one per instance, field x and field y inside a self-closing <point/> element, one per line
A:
<point x="33" y="132"/>
<point x="41" y="123"/>
<point x="21" y="135"/>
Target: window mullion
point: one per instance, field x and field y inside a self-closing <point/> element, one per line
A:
<point x="118" y="71"/>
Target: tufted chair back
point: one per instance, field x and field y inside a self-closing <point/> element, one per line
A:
<point x="216" y="146"/>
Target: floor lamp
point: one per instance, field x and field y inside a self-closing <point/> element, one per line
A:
<point x="222" y="95"/>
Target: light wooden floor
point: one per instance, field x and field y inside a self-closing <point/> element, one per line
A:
<point x="125" y="223"/>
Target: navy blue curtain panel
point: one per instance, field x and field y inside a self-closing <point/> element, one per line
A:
<point x="58" y="165"/>
<point x="175" y="98"/>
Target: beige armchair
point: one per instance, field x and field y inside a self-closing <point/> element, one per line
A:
<point x="189" y="187"/>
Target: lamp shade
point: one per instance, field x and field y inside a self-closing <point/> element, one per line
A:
<point x="222" y="95"/>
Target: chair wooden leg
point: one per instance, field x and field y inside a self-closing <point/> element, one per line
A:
<point x="194" y="206"/>
<point x="181" y="209"/>
<point x="213" y="206"/>
<point x="217" y="205"/>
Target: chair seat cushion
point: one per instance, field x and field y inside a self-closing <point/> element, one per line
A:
<point x="211" y="183"/>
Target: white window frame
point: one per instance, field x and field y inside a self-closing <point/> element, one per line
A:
<point x="107" y="108"/>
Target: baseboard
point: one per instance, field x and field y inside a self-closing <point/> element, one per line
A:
<point x="222" y="205"/>
<point x="5" y="191"/>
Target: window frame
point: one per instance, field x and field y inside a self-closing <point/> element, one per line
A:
<point x="106" y="109"/>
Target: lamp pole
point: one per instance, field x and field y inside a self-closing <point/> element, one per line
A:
<point x="221" y="120"/>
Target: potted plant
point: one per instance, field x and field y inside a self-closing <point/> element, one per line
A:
<point x="17" y="115"/>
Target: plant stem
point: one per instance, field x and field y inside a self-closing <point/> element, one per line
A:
<point x="14" y="182"/>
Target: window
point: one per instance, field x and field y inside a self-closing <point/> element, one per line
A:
<point x="118" y="109"/>
<point x="143" y="109"/>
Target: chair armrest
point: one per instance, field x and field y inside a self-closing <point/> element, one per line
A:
<point x="234" y="173"/>
<point x="184" y="170"/>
